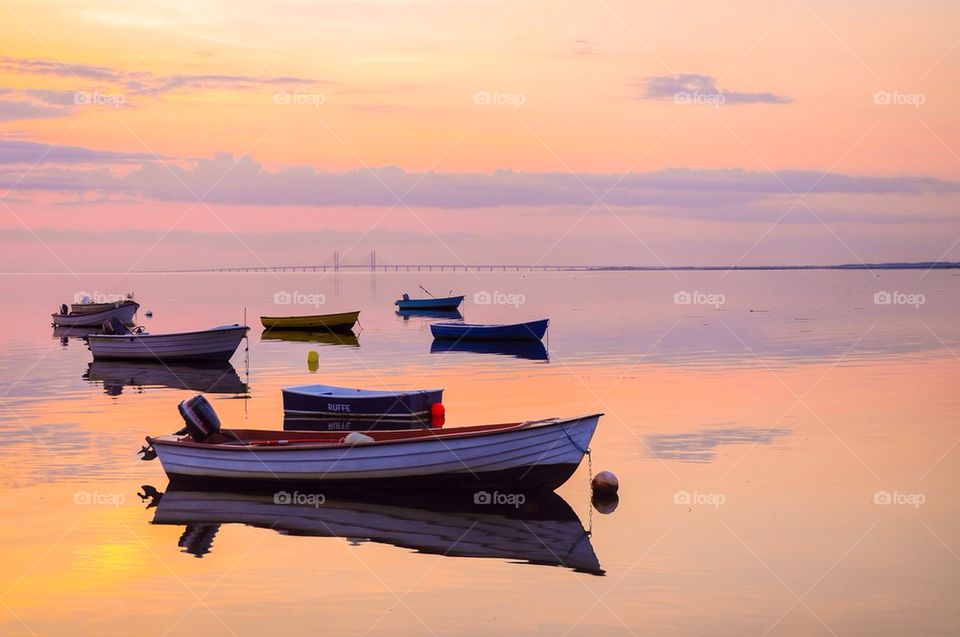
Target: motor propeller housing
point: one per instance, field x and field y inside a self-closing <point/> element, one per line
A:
<point x="200" y="418"/>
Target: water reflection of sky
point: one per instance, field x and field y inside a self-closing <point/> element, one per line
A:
<point x="688" y="385"/>
<point x="702" y="446"/>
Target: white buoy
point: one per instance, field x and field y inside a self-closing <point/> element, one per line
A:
<point x="605" y="483"/>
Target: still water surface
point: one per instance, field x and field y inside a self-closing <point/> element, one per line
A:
<point x="787" y="449"/>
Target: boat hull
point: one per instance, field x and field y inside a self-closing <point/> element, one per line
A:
<point x="123" y="312"/>
<point x="342" y="322"/>
<point x="91" y="308"/>
<point x="446" y="303"/>
<point x="531" y="331"/>
<point x="327" y="401"/>
<point x="535" y="456"/>
<point x="218" y="344"/>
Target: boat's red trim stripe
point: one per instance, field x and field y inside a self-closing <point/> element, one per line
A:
<point x="326" y="439"/>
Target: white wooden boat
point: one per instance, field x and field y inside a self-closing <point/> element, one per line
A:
<point x="89" y="307"/>
<point x="533" y="455"/>
<point x="122" y="311"/>
<point x="214" y="344"/>
<point x="542" y="530"/>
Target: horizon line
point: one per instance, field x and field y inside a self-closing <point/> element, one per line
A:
<point x="453" y="268"/>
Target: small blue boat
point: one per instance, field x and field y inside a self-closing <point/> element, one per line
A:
<point x="326" y="401"/>
<point x="531" y="331"/>
<point x="444" y="303"/>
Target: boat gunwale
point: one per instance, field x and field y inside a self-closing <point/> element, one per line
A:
<point x="220" y="329"/>
<point x="462" y="324"/>
<point x="359" y="393"/>
<point x="407" y="436"/>
<point x="355" y="313"/>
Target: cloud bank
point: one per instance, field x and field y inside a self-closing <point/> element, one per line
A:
<point x="226" y="179"/>
<point x="33" y="103"/>
<point x="685" y="87"/>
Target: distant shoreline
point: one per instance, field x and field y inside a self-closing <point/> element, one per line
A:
<point x="421" y="267"/>
<point x="920" y="265"/>
<point x="934" y="265"/>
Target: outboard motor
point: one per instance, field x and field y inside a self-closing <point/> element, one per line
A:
<point x="406" y="297"/>
<point x="114" y="326"/>
<point x="64" y="310"/>
<point x="200" y="418"/>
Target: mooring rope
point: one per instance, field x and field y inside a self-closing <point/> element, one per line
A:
<point x="574" y="442"/>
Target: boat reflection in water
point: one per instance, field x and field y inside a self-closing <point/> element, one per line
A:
<point x="452" y="315"/>
<point x="64" y="334"/>
<point x="358" y="424"/>
<point x="206" y="377"/>
<point x="346" y="339"/>
<point x="542" y="530"/>
<point x="529" y="350"/>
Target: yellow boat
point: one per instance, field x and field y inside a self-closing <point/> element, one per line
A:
<point x="342" y="322"/>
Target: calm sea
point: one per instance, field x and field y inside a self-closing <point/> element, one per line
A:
<point x="786" y="443"/>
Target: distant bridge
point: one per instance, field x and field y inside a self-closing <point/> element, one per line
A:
<point x="335" y="266"/>
<point x="405" y="267"/>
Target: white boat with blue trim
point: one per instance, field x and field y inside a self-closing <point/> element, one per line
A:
<point x="532" y="455"/>
<point x="214" y="344"/>
<point x="122" y="311"/>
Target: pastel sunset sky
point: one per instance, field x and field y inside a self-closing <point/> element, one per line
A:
<point x="172" y="134"/>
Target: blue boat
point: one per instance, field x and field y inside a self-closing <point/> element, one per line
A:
<point x="326" y="401"/>
<point x="444" y="303"/>
<point x="456" y="330"/>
